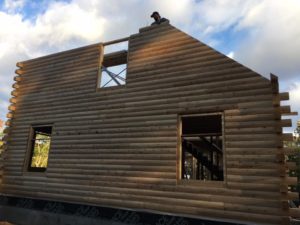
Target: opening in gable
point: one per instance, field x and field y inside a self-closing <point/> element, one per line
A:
<point x="114" y="65"/>
<point x="202" y="147"/>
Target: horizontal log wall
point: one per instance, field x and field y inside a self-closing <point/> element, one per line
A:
<point x="118" y="146"/>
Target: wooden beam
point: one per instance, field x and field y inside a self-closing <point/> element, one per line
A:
<point x="115" y="58"/>
<point x="284" y="96"/>
<point x="12" y="107"/>
<point x="16" y="85"/>
<point x="286" y="123"/>
<point x="116" y="41"/>
<point x="285" y="109"/>
<point x="279" y="97"/>
<point x="20" y="64"/>
<point x="290" y="114"/>
<point x="99" y="73"/>
<point x="274" y="84"/>
<point x="294" y="212"/>
<point x="9" y="115"/>
<point x="292" y="195"/>
<point x="17" y="78"/>
<point x="19" y="71"/>
<point x="13" y="100"/>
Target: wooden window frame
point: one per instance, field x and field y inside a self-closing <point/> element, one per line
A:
<point x="111" y="59"/>
<point x="181" y="180"/>
<point x="30" y="149"/>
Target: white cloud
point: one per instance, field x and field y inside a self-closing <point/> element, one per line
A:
<point x="13" y="5"/>
<point x="64" y="21"/>
<point x="230" y="54"/>
<point x="294" y="91"/>
<point x="270" y="32"/>
<point x="295" y="94"/>
<point x="273" y="44"/>
<point x="218" y="15"/>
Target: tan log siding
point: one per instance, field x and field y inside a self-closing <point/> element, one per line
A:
<point x="117" y="146"/>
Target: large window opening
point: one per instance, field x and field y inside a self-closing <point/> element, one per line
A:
<point x="114" y="65"/>
<point x="39" y="148"/>
<point x="202" y="147"/>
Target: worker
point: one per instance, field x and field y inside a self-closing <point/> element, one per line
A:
<point x="158" y="19"/>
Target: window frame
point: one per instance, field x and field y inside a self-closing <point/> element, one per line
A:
<point x="180" y="179"/>
<point x="30" y="149"/>
<point x="111" y="56"/>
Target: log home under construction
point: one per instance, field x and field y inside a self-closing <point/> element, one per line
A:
<point x="168" y="131"/>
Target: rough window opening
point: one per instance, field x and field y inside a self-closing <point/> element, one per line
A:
<point x="202" y="147"/>
<point x="114" y="65"/>
<point x="39" y="148"/>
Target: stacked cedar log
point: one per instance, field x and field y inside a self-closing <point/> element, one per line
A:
<point x="120" y="146"/>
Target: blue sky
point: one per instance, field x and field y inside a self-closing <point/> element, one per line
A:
<point x="264" y="35"/>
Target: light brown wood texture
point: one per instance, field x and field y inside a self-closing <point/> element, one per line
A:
<point x="118" y="146"/>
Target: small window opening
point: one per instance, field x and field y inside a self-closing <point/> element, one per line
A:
<point x="201" y="144"/>
<point x="114" y="65"/>
<point x="39" y="148"/>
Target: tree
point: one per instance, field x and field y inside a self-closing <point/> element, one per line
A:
<point x="297" y="134"/>
<point x="295" y="144"/>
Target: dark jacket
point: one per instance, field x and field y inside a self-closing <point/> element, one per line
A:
<point x="161" y="20"/>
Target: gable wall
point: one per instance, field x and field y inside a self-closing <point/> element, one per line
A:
<point x="118" y="146"/>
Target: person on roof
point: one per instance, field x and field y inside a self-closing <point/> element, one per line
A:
<point x="158" y="19"/>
